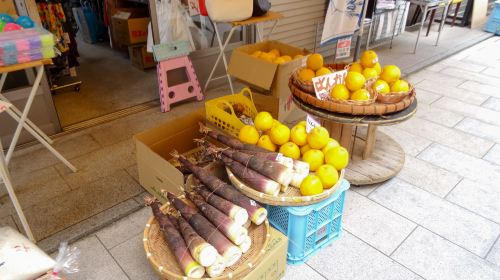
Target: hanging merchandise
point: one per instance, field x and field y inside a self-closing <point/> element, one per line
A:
<point x="53" y="18"/>
<point x="175" y="24"/>
<point x="260" y="7"/>
<point x="342" y="19"/>
<point x="229" y="10"/>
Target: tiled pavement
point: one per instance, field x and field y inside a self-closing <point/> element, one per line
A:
<point x="438" y="219"/>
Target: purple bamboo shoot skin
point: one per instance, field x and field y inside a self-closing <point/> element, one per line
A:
<point x="202" y="251"/>
<point x="226" y="225"/>
<point x="175" y="242"/>
<point x="238" y="214"/>
<point x="247" y="243"/>
<point x="257" y="213"/>
<point x="207" y="231"/>
<point x="228" y="140"/>
<point x="217" y="268"/>
<point x="252" y="178"/>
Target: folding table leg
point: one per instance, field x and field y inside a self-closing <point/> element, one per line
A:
<point x="5" y="176"/>
<point x="424" y="14"/>
<point x="221" y="55"/>
<point x="441" y="24"/>
<point x="19" y="113"/>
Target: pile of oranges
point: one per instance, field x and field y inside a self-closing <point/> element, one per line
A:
<point x="274" y="56"/>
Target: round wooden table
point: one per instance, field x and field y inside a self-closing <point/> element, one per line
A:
<point x="375" y="157"/>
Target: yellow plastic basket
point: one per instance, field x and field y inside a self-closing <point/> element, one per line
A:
<point x="217" y="111"/>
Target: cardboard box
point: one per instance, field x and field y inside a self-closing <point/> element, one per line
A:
<point x="266" y="77"/>
<point x="154" y="146"/>
<point x="273" y="265"/>
<point x="128" y="29"/>
<point x="140" y="58"/>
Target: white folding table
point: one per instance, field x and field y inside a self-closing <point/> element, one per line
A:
<point x="427" y="6"/>
<point x="269" y="16"/>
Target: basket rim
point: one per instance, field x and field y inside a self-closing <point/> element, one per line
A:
<point x="161" y="271"/>
<point x="282" y="200"/>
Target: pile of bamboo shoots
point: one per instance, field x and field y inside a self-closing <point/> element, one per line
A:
<point x="212" y="235"/>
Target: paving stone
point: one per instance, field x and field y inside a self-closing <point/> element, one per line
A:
<point x="131" y="257"/>
<point x="350" y="258"/>
<point x="428" y="177"/>
<point x="447" y="63"/>
<point x="468" y="75"/>
<point x="480" y="88"/>
<point x="437" y="115"/>
<point x="413" y="144"/>
<point x="365" y="190"/>
<point x="462" y="164"/>
<point x="440" y="79"/>
<point x="436" y="258"/>
<point x="458" y="225"/>
<point x="464" y="142"/>
<point x="374" y="224"/>
<point x="99" y="164"/>
<point x="436" y="67"/>
<point x="8" y="222"/>
<point x="76" y="205"/>
<point x="476" y="112"/>
<point x="95" y="262"/>
<point x="494" y="255"/>
<point x="494" y="72"/>
<point x="492" y="103"/>
<point x="481" y="198"/>
<point x="426" y="97"/>
<point x="458" y="93"/>
<point x="480" y="129"/>
<point x="125" y="228"/>
<point x="493" y="155"/>
<point x="132" y="171"/>
<point x="301" y="272"/>
<point x="90" y="225"/>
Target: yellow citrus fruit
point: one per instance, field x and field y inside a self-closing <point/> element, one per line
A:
<point x="370" y="73"/>
<point x="298" y="56"/>
<point x="291" y="150"/>
<point x="249" y="134"/>
<point x="275" y="123"/>
<point x="256" y="53"/>
<point x="302" y="123"/>
<point x="306" y="74"/>
<point x="360" y="94"/>
<point x="318" y="137"/>
<point x="377" y="68"/>
<point x="400" y="86"/>
<point x="279" y="60"/>
<point x="263" y="121"/>
<point x="356" y="67"/>
<point x="286" y="58"/>
<point x="315" y="158"/>
<point x="323" y="71"/>
<point x="390" y="73"/>
<point x="304" y="149"/>
<point x="266" y="143"/>
<point x="337" y="157"/>
<point x="368" y="59"/>
<point x="266" y="56"/>
<point x="381" y="86"/>
<point x="328" y="175"/>
<point x="275" y="52"/>
<point x="354" y="81"/>
<point x="298" y="135"/>
<point x="339" y="92"/>
<point x="311" y="185"/>
<point x="280" y="134"/>
<point x="332" y="143"/>
<point x="314" y="61"/>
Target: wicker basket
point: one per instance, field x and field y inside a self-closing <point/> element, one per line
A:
<point x="165" y="264"/>
<point x="395" y="97"/>
<point x="308" y="86"/>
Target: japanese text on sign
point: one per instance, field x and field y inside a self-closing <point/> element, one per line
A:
<point x="343" y="48"/>
<point x="324" y="84"/>
<point x="311" y="123"/>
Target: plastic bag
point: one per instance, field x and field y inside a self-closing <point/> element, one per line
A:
<point x="175" y="24"/>
<point x="66" y="261"/>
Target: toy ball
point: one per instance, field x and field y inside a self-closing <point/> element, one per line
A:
<point x="11" y="27"/>
<point x="25" y="22"/>
<point x="2" y="25"/>
<point x="6" y="18"/>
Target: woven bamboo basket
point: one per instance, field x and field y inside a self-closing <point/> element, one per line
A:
<point x="308" y="86"/>
<point x="395" y="97"/>
<point x="376" y="108"/>
<point x="165" y="265"/>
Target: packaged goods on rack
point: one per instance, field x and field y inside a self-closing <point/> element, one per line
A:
<point x="25" y="45"/>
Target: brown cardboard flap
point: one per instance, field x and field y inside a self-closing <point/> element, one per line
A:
<point x="252" y="70"/>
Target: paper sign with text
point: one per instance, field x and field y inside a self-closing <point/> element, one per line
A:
<point x="343" y="48"/>
<point x="4" y="106"/>
<point x="324" y="84"/>
<point x="311" y="122"/>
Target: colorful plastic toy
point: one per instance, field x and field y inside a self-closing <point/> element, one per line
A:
<point x="11" y="27"/>
<point x="6" y="18"/>
<point x="2" y="25"/>
<point x="25" y="22"/>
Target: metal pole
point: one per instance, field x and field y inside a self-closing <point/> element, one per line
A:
<point x="316" y="37"/>
<point x="360" y="34"/>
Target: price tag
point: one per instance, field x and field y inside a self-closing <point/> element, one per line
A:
<point x="4" y="106"/>
<point x="343" y="48"/>
<point x="323" y="85"/>
<point x="312" y="122"/>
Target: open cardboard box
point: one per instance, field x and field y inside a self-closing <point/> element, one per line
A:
<point x="268" y="80"/>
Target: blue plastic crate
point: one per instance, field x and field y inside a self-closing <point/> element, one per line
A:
<point x="493" y="23"/>
<point x="309" y="228"/>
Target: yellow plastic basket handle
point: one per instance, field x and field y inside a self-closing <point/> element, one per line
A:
<point x="248" y="92"/>
<point x="228" y="105"/>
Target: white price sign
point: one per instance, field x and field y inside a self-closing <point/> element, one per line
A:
<point x="4" y="106"/>
<point x="323" y="85"/>
<point x="343" y="48"/>
<point x="311" y="122"/>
